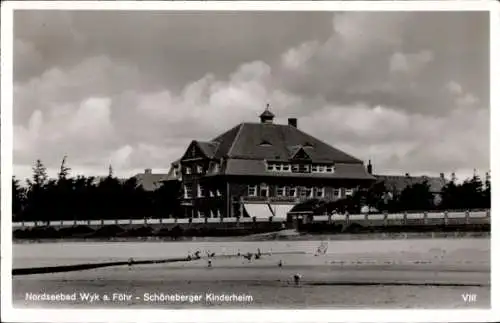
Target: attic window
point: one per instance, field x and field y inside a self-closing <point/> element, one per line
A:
<point x="265" y="143"/>
<point x="308" y="145"/>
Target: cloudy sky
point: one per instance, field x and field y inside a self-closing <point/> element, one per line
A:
<point x="132" y="89"/>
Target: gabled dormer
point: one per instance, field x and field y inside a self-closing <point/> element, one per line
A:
<point x="194" y="152"/>
<point x="299" y="153"/>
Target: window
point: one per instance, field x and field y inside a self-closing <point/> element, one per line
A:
<point x="201" y="214"/>
<point x="336" y="192"/>
<point x="306" y="192"/>
<point x="304" y="168"/>
<point x="211" y="213"/>
<point x="321" y="168"/>
<point x="295" y="168"/>
<point x="201" y="191"/>
<point x="292" y="191"/>
<point x="349" y="192"/>
<point x="188" y="192"/>
<point x="278" y="167"/>
<point x="314" y="168"/>
<point x="264" y="190"/>
<point x="286" y="167"/>
<point x="265" y="143"/>
<point x="252" y="190"/>
<point x="199" y="169"/>
<point x="320" y="192"/>
<point x="211" y="193"/>
<point x="188" y="170"/>
<point x="329" y="169"/>
<point x="218" y="193"/>
<point x="270" y="167"/>
<point x="218" y="213"/>
<point x="216" y="168"/>
<point x="281" y="191"/>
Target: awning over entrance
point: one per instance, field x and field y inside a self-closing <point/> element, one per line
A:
<point x="281" y="210"/>
<point x="258" y="210"/>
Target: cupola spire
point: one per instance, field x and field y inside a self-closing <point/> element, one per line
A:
<point x="267" y="116"/>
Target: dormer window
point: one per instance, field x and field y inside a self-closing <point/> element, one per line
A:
<point x="329" y="168"/>
<point x="308" y="145"/>
<point x="188" y="170"/>
<point x="199" y="169"/>
<point x="265" y="143"/>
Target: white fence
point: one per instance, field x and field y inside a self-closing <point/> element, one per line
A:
<point x="429" y="218"/>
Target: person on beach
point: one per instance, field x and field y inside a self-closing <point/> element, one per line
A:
<point x="296" y="278"/>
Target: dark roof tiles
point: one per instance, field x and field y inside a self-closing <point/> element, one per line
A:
<point x="245" y="144"/>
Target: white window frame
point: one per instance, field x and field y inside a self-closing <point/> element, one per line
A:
<point x="201" y="214"/>
<point x="199" y="169"/>
<point x="216" y="168"/>
<point x="289" y="189"/>
<point x="321" y="168"/>
<point x="309" y="190"/>
<point x="314" y="168"/>
<point x="211" y="193"/>
<point x="218" y="193"/>
<point x="295" y="168"/>
<point x="219" y="214"/>
<point x="281" y="188"/>
<point x="349" y="192"/>
<point x="188" y="170"/>
<point x="254" y="187"/>
<point x="188" y="192"/>
<point x="319" y="190"/>
<point x="287" y="168"/>
<point x="201" y="191"/>
<point x="339" y="190"/>
<point x="263" y="187"/>
<point x="330" y="168"/>
<point x="270" y="167"/>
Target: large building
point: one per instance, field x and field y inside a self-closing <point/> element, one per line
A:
<point x="263" y="169"/>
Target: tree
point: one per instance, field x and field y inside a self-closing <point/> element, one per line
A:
<point x="487" y="191"/>
<point x="63" y="170"/>
<point x="18" y="199"/>
<point x="417" y="197"/>
<point x="374" y="196"/>
<point x="40" y="176"/>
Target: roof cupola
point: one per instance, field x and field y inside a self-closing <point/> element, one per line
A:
<point x="267" y="116"/>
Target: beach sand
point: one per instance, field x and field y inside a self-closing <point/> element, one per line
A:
<point x="406" y="274"/>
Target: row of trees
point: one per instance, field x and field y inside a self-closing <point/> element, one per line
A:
<point x="470" y="194"/>
<point x="74" y="198"/>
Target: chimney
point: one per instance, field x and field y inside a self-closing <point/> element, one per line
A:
<point x="441" y="175"/>
<point x="292" y="122"/>
<point x="369" y="167"/>
<point x="148" y="171"/>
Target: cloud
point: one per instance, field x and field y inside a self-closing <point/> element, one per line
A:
<point x="377" y="85"/>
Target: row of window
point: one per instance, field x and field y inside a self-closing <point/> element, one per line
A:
<point x="200" y="192"/>
<point x="209" y="214"/>
<point x="294" y="191"/>
<point x="199" y="169"/>
<point x="300" y="168"/>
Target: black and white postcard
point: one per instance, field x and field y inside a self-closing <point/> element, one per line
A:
<point x="183" y="157"/>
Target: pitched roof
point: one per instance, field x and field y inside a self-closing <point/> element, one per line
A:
<point x="244" y="142"/>
<point x="150" y="182"/>
<point x="208" y="148"/>
<point x="252" y="167"/>
<point x="399" y="183"/>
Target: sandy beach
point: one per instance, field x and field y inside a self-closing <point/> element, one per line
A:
<point x="352" y="274"/>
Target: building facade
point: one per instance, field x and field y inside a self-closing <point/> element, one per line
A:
<point x="263" y="169"/>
